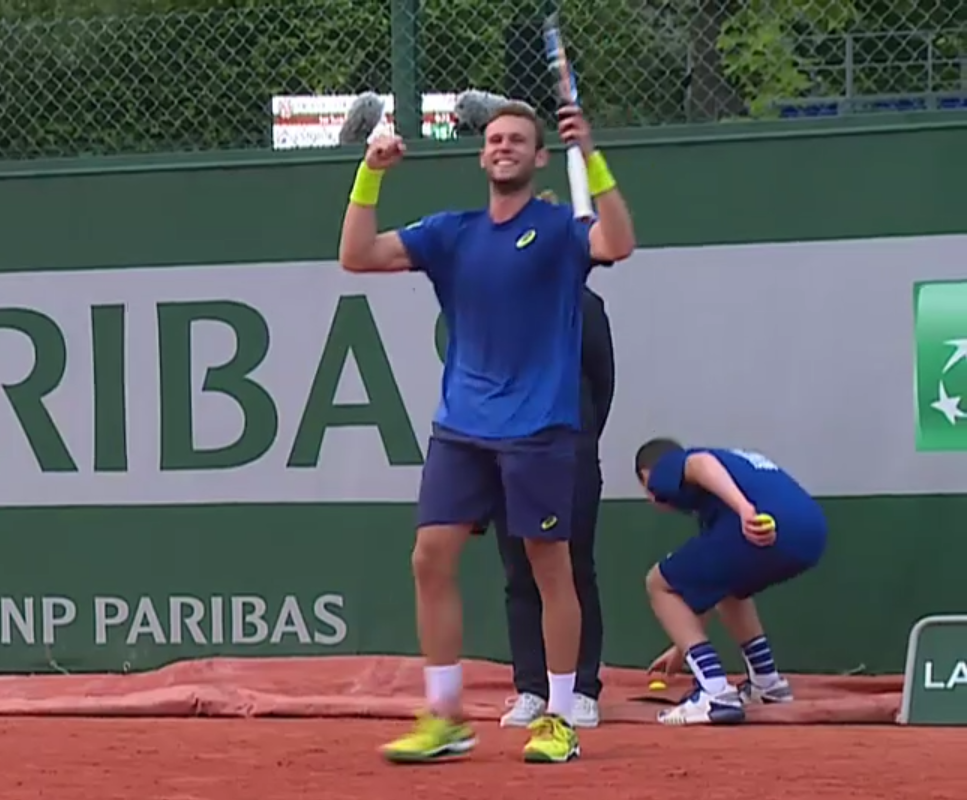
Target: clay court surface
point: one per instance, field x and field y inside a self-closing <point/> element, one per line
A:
<point x="311" y="728"/>
<point x="267" y="759"/>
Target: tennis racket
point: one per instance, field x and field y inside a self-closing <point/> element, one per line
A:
<point x="567" y="91"/>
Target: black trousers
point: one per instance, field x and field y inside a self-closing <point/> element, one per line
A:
<point x="523" y="601"/>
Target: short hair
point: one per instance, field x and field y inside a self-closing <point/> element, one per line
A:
<point x="521" y="110"/>
<point x="649" y="453"/>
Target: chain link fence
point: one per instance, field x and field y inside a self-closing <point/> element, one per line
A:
<point x="82" y="77"/>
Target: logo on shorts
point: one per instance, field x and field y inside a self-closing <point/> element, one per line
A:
<point x="526" y="239"/>
<point x="940" y="335"/>
<point x="548" y="522"/>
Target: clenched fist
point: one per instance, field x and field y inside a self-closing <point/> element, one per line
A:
<point x="384" y="152"/>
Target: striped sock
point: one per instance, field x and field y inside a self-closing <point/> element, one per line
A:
<point x="707" y="668"/>
<point x="759" y="662"/>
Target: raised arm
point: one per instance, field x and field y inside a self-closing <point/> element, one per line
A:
<point x="612" y="234"/>
<point x="361" y="247"/>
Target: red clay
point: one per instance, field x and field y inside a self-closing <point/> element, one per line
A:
<point x="264" y="759"/>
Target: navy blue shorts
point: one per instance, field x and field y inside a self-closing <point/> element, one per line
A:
<point x="721" y="562"/>
<point x="465" y="480"/>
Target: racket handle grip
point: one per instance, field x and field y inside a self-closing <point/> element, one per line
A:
<point x="577" y="178"/>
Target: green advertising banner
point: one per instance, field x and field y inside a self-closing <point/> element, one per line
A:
<point x="940" y="313"/>
<point x="211" y="436"/>
<point x="935" y="679"/>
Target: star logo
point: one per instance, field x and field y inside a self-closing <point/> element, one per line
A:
<point x="945" y="404"/>
<point x="960" y="353"/>
<point x="940" y="329"/>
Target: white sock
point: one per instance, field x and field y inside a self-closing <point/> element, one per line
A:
<point x="443" y="684"/>
<point x="561" y="694"/>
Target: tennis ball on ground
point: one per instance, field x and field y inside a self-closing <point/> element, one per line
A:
<point x="657" y="686"/>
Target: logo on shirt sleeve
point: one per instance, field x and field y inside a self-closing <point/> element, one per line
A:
<point x="526" y="238"/>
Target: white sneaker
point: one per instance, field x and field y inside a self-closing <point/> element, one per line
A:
<point x="585" y="713"/>
<point x="524" y="709"/>
<point x="700" y="708"/>
<point x="779" y="692"/>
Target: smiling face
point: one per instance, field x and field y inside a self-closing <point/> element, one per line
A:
<point x="513" y="149"/>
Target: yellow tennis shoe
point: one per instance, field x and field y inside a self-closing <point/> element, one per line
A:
<point x="432" y="738"/>
<point x="552" y="741"/>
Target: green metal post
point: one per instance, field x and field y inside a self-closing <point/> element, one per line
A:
<point x="406" y="90"/>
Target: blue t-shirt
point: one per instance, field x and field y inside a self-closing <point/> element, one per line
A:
<point x="510" y="294"/>
<point x="769" y="488"/>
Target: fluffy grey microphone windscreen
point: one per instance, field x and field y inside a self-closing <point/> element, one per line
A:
<point x="362" y="118"/>
<point x="474" y="108"/>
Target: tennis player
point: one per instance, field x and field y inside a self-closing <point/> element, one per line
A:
<point x="757" y="528"/>
<point x="509" y="279"/>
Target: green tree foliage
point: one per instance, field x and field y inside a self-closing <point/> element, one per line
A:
<point x="776" y="50"/>
<point x="111" y="76"/>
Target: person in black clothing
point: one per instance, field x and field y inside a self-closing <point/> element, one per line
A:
<point x="523" y="602"/>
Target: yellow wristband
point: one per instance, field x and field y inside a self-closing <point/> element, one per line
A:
<point x="366" y="186"/>
<point x="600" y="179"/>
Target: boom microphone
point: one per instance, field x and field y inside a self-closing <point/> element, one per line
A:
<point x="473" y="109"/>
<point x="363" y="116"/>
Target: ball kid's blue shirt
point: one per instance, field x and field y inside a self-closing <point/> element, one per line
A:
<point x="768" y="487"/>
<point x="511" y="296"/>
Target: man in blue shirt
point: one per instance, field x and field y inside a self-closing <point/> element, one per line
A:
<point x="757" y="528"/>
<point x="509" y="280"/>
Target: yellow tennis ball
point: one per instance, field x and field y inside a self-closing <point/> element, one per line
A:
<point x="657" y="686"/>
<point x="766" y="520"/>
